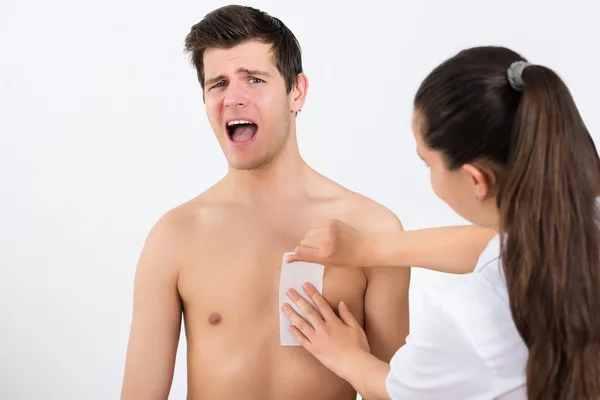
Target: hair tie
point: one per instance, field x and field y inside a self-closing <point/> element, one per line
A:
<point x="515" y="75"/>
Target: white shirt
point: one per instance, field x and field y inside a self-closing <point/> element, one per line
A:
<point x="466" y="346"/>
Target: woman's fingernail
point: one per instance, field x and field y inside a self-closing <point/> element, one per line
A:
<point x="291" y="293"/>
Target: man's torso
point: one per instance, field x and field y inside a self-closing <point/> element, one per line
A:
<point x="231" y="269"/>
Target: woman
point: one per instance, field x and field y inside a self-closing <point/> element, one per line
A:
<point x="509" y="151"/>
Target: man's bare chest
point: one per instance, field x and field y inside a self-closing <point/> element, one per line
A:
<point x="236" y="273"/>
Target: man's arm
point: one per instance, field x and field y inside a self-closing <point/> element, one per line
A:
<point x="386" y="301"/>
<point x="156" y="321"/>
<point x="387" y="310"/>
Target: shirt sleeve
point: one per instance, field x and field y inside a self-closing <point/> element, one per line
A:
<point x="439" y="361"/>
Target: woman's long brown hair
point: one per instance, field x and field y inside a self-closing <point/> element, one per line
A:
<point x="548" y="199"/>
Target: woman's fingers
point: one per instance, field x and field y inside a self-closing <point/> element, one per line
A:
<point x="315" y="319"/>
<point x="299" y="336"/>
<point x="303" y="327"/>
<point x="306" y="254"/>
<point x="321" y="304"/>
<point x="347" y="316"/>
<point x="311" y="243"/>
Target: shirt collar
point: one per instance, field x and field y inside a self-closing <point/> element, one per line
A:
<point x="490" y="254"/>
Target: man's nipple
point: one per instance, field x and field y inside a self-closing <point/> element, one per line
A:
<point x="215" y="318"/>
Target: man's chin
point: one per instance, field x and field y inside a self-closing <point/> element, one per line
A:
<point x="247" y="165"/>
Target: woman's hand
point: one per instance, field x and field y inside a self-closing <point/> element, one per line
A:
<point x="339" y="344"/>
<point x="335" y="342"/>
<point x="334" y="243"/>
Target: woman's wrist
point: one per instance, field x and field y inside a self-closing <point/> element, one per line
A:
<point x="352" y="365"/>
<point x="367" y="374"/>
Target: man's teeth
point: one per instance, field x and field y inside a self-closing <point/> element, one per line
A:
<point x="239" y="122"/>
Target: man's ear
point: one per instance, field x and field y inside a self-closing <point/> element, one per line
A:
<point x="482" y="178"/>
<point x="298" y="93"/>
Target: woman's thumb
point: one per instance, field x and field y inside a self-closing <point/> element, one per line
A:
<point x="347" y="316"/>
<point x="301" y="254"/>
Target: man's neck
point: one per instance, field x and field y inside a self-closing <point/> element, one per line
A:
<point x="285" y="177"/>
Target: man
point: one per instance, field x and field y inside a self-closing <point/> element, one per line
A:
<point x="217" y="258"/>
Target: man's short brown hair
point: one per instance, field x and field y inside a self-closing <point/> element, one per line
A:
<point x="232" y="25"/>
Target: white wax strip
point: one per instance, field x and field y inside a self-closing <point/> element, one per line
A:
<point x="293" y="276"/>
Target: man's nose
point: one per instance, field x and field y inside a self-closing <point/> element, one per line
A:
<point x="235" y="97"/>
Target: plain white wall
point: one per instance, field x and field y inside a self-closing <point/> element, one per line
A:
<point x="102" y="129"/>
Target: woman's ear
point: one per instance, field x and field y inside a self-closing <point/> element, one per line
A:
<point x="482" y="179"/>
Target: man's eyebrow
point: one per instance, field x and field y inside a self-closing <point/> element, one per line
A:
<point x="246" y="71"/>
<point x="253" y="72"/>
<point x="216" y="79"/>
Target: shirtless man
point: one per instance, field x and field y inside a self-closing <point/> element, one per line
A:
<point x="217" y="258"/>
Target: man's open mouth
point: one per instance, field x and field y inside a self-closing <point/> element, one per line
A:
<point x="241" y="130"/>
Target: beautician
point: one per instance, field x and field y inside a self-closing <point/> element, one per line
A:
<point x="509" y="152"/>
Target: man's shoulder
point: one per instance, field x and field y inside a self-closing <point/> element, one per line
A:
<point x="192" y="214"/>
<point x="367" y="214"/>
<point x="361" y="211"/>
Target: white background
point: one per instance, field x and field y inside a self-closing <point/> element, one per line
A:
<point x="102" y="130"/>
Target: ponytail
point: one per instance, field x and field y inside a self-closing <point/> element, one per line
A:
<point x="551" y="250"/>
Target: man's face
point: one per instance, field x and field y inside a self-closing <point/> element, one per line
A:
<point x="247" y="104"/>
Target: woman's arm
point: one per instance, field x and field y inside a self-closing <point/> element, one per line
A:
<point x="453" y="249"/>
